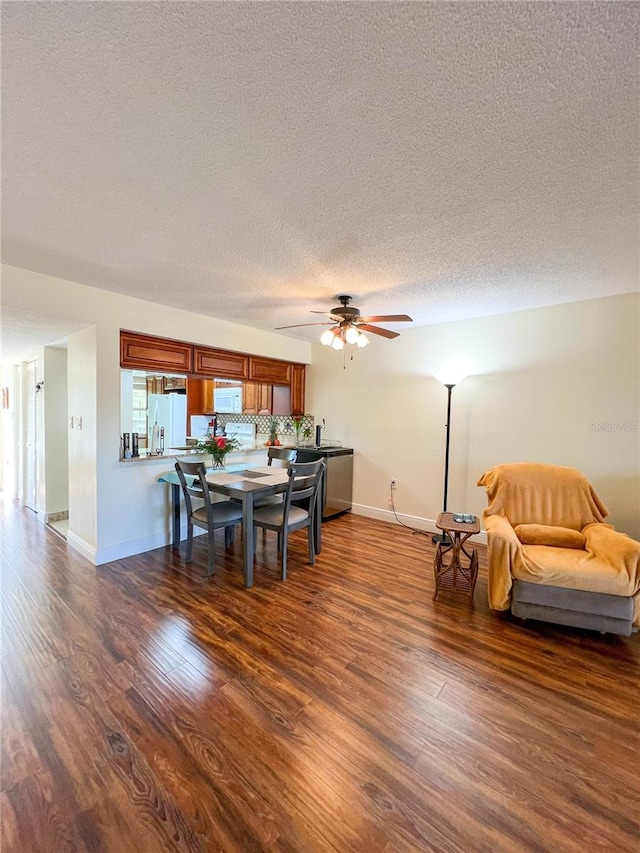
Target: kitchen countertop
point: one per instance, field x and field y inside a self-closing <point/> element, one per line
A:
<point x="250" y="449"/>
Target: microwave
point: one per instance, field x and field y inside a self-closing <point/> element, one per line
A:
<point x="228" y="400"/>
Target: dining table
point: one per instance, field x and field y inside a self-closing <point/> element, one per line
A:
<point x="247" y="485"/>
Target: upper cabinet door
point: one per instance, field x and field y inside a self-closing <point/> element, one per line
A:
<point x="298" y="373"/>
<point x="269" y="370"/>
<point x="216" y="362"/>
<point x="145" y="352"/>
<point x="256" y="398"/>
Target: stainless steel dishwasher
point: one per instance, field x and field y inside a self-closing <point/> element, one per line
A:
<point x="337" y="488"/>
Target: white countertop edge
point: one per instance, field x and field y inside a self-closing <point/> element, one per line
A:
<point x="250" y="448"/>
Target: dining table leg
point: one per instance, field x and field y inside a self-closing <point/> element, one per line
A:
<point x="175" y="500"/>
<point x="247" y="530"/>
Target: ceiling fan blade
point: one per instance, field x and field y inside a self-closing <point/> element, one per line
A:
<point x="388" y="318"/>
<point x="300" y="325"/>
<point x="326" y="313"/>
<point x="384" y="333"/>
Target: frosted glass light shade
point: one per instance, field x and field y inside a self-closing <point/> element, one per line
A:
<point x="326" y="337"/>
<point x="352" y="335"/>
<point x="363" y="340"/>
<point x="337" y="342"/>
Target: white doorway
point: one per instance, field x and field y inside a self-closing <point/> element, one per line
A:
<point x="31" y="420"/>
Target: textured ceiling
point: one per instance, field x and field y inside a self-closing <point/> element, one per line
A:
<point x="252" y="160"/>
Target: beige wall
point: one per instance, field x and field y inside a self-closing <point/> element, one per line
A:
<point x="114" y="509"/>
<point x="539" y="380"/>
<point x="559" y="385"/>
<point x="82" y="380"/>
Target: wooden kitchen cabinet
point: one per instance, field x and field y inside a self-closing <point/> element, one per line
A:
<point x="217" y="362"/>
<point x="269" y="370"/>
<point x="298" y="375"/>
<point x="208" y="388"/>
<point x="155" y="384"/>
<point x="175" y="383"/>
<point x="195" y="394"/>
<point x="257" y="398"/>
<point x="164" y="355"/>
<point x="144" y="352"/>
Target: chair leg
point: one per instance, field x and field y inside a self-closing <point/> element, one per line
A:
<point x="189" y="542"/>
<point x="229" y="536"/>
<point x="211" y="555"/>
<point x="312" y="550"/>
<point x="285" y="542"/>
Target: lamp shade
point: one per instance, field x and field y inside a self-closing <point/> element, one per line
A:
<point x="451" y="375"/>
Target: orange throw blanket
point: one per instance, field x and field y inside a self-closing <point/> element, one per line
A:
<point x="532" y="493"/>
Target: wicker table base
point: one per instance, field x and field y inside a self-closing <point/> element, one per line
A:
<point x="451" y="574"/>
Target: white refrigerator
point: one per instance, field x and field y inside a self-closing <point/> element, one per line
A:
<point x="168" y="411"/>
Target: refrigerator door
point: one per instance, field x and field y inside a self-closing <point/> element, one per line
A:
<point x="169" y="411"/>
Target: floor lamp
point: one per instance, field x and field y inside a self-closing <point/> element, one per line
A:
<point x="449" y="381"/>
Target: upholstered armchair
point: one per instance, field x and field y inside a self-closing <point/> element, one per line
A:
<point x="551" y="556"/>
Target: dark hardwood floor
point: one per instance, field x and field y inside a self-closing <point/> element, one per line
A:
<point x="147" y="708"/>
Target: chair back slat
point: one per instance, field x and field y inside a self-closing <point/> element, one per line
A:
<point x="197" y="488"/>
<point x="304" y="483"/>
<point x="285" y="454"/>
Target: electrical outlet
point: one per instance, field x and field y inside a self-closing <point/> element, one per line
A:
<point x="394" y="484"/>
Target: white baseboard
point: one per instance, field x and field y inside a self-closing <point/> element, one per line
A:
<point x="133" y="547"/>
<point x="82" y="547"/>
<point x="414" y="521"/>
<point x="160" y="540"/>
<point x="121" y="550"/>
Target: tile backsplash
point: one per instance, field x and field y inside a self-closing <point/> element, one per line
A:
<point x="285" y="425"/>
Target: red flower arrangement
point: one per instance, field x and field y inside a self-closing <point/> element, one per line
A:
<point x="218" y="446"/>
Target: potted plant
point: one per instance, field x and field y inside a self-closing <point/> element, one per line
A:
<point x="297" y="425"/>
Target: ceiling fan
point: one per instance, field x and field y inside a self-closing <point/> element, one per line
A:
<point x="347" y="325"/>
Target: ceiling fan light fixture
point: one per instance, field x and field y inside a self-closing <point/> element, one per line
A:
<point x="348" y="325"/>
<point x="352" y="335"/>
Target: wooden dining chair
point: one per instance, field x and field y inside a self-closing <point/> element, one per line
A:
<point x="210" y="517"/>
<point x="304" y="484"/>
<point x="285" y="454"/>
